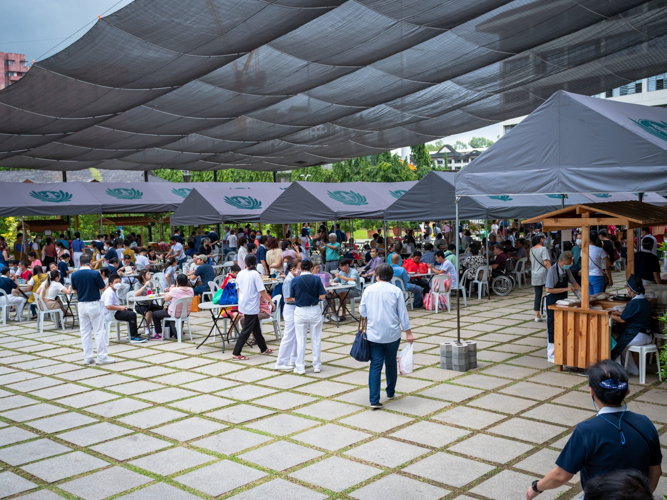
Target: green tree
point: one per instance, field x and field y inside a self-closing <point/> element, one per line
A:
<point x="435" y="146"/>
<point x="480" y="142"/>
<point x="422" y="160"/>
<point x="460" y="145"/>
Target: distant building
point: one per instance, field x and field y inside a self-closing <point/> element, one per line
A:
<point x="14" y="66"/>
<point x="456" y="158"/>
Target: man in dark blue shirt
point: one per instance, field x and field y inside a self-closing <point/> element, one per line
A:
<point x="7" y="284"/>
<point x="63" y="267"/>
<point x="111" y="252"/>
<point x="78" y="247"/>
<point x="261" y="254"/>
<point x="633" y="325"/>
<point x="213" y="236"/>
<point x="87" y="284"/>
<point x="204" y="272"/>
<point x="308" y="291"/>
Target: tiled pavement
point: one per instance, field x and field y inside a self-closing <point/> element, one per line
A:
<point x="171" y="421"/>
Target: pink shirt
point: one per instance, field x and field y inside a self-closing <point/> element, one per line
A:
<point x="35" y="262"/>
<point x="179" y="293"/>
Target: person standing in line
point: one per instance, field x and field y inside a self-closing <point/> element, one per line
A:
<point x="77" y="249"/>
<point x="88" y="283"/>
<point x="383" y="307"/>
<point x="288" y="345"/>
<point x="308" y="292"/>
<point x="560" y="281"/>
<point x="250" y="288"/>
<point x="599" y="267"/>
<point x="540" y="265"/>
<point x="646" y="234"/>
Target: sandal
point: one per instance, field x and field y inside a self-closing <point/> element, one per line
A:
<point x="240" y="358"/>
<point x="251" y="342"/>
<point x="268" y="351"/>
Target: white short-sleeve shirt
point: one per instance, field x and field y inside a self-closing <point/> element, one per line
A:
<point x="54" y="289"/>
<point x="249" y="285"/>
<point x="110" y="298"/>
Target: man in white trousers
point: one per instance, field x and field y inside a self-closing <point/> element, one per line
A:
<point x="287" y="353"/>
<point x="88" y="284"/>
<point x="308" y="292"/>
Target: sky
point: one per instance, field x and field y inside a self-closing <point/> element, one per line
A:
<point x="40" y="28"/>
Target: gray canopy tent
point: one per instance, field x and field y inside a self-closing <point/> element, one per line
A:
<point x="219" y="203"/>
<point x="320" y="201"/>
<point x="575" y="144"/>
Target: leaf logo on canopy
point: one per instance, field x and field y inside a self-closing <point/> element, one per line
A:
<point x="602" y="195"/>
<point x="52" y="196"/>
<point x="182" y="192"/>
<point x="658" y="129"/>
<point x="554" y="196"/>
<point x="397" y="194"/>
<point x="125" y="193"/>
<point x="501" y="198"/>
<point x="243" y="202"/>
<point x="348" y="198"/>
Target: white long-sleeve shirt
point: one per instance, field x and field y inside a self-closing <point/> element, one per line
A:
<point x="384" y="306"/>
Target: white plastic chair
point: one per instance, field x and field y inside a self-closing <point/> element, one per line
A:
<point x="481" y="282"/>
<point x="219" y="280"/>
<point x="438" y="282"/>
<point x="107" y="329"/>
<point x="275" y="318"/>
<point x="230" y="257"/>
<point x="122" y="292"/>
<point x="157" y="279"/>
<point x="42" y="311"/>
<point x="185" y="303"/>
<point x="354" y="300"/>
<point x="643" y="351"/>
<point x="520" y="271"/>
<point x="406" y="295"/>
<point x="5" y="306"/>
<point x="214" y="287"/>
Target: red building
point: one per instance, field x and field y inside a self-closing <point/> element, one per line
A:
<point x="14" y="66"/>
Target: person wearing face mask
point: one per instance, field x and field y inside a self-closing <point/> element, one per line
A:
<point x="287" y="354"/>
<point x="114" y="311"/>
<point x="615" y="440"/>
<point x="539" y="266"/>
<point x="560" y="280"/>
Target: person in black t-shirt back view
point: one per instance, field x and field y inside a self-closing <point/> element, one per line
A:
<point x="607" y="245"/>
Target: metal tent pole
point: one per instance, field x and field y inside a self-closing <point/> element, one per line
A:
<point x="486" y="230"/>
<point x="458" y="298"/>
<point x="24" y="238"/>
<point x="384" y="226"/>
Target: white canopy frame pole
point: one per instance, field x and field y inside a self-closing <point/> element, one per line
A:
<point x="486" y="230"/>
<point x="25" y="238"/>
<point x="458" y="298"/>
<point x="101" y="223"/>
<point x="384" y="226"/>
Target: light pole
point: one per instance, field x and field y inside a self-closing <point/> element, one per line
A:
<point x="186" y="175"/>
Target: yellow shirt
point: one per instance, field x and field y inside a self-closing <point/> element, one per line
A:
<point x="38" y="280"/>
<point x="129" y="252"/>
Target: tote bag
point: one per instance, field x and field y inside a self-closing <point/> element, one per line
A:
<point x="361" y="351"/>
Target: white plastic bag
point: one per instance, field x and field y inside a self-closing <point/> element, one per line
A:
<point x="406" y="360"/>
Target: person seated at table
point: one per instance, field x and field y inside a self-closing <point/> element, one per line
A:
<point x="346" y="274"/>
<point x="170" y="274"/>
<point x="97" y="260"/>
<point x="633" y="325"/>
<point x="105" y="273"/>
<point x="109" y="251"/>
<point x="401" y="274"/>
<point x="472" y="263"/>
<point x="560" y="280"/>
<point x="520" y="249"/>
<point x="63" y="266"/>
<point x="176" y="250"/>
<point x="394" y="250"/>
<point x="127" y="265"/>
<point x="143" y="288"/>
<point x="466" y="241"/>
<point x="61" y="249"/>
<point x="450" y="255"/>
<point x="33" y="260"/>
<point x="440" y="242"/>
<point x="203" y="274"/>
<point x="23" y="272"/>
<point x="647" y="265"/>
<point x="190" y="250"/>
<point x="114" y="311"/>
<point x="128" y="251"/>
<point x="368" y="248"/>
<point x="428" y="256"/>
<point x="414" y="265"/>
<point x="500" y="261"/>
<point x="114" y="266"/>
<point x="181" y="290"/>
<point x="443" y="266"/>
<point x="369" y="269"/>
<point x="141" y="259"/>
<point x="38" y="277"/>
<point x="13" y="297"/>
<point x="49" y="290"/>
<point x="153" y="258"/>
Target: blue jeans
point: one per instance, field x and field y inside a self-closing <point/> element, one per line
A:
<point x="382" y="354"/>
<point x="595" y="284"/>
<point x="418" y="293"/>
<point x="201" y="289"/>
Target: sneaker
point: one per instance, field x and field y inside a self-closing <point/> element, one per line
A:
<point x="157" y="336"/>
<point x="299" y="372"/>
<point x="89" y="361"/>
<point x="377" y="406"/>
<point x="138" y="340"/>
<point x="391" y="397"/>
<point x="539" y="320"/>
<point x="105" y="361"/>
<point x="283" y="367"/>
<point x="317" y="370"/>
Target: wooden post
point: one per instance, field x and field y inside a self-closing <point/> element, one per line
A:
<point x="76" y="223"/>
<point x="585" y="233"/>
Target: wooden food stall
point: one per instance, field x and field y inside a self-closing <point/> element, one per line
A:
<point x="582" y="336"/>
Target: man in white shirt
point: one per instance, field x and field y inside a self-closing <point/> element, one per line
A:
<point x="443" y="266"/>
<point x="141" y="260"/>
<point x="176" y="251"/>
<point x="383" y="306"/>
<point x="646" y="233"/>
<point x="250" y="288"/>
<point x="232" y="240"/>
<point x="113" y="310"/>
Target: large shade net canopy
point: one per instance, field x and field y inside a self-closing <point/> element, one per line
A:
<point x="575" y="144"/>
<point x="78" y="198"/>
<point x="218" y="203"/>
<point x="323" y="201"/>
<point x="282" y="84"/>
<point x="433" y="198"/>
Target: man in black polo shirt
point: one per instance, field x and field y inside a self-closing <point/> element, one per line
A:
<point x="88" y="284"/>
<point x="308" y="292"/>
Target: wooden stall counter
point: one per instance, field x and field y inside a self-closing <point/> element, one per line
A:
<point x="581" y="336"/>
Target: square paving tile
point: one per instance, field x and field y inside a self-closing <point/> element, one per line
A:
<point x="153" y="417"/>
<point x="173" y="460"/>
<point x="203" y="403"/>
<point x="231" y="441"/>
<point x="11" y="435"/>
<point x="449" y="469"/>
<point x="469" y="417"/>
<point x="16" y="402"/>
<point x="327" y="410"/>
<point x="118" y="407"/>
<point x="220" y="477"/>
<point x="395" y="486"/>
<point x="501" y="403"/>
<point x="158" y="491"/>
<point x="335" y="473"/>
<point x="210" y="385"/>
<point x="33" y="412"/>
<point x="481" y="381"/>
<point x="430" y="434"/>
<point x="35" y="384"/>
<point x="532" y="391"/>
<point x="246" y="392"/>
<point x="29" y="452"/>
<point x="527" y="430"/>
<point x="576" y="399"/>
<point x="285" y="400"/>
<point x="281" y="490"/>
<point x="219" y="368"/>
<point x="510" y="371"/>
<point x="130" y="388"/>
<point x="331" y="437"/>
<point x="653" y="396"/>
<point x="376" y="421"/>
<point x="166" y="395"/>
<point x="60" y="391"/>
<point x="509" y="484"/>
<point x="491" y="448"/>
<point x="287" y="381"/>
<point x="94" y="434"/>
<point x="87" y="399"/>
<point x="130" y="446"/>
<point x="559" y="414"/>
<point x="539" y="463"/>
<point x="105" y="483"/>
<point x="71" y="464"/>
<point x="387" y="452"/>
<point x="188" y="429"/>
<point x="239" y="413"/>
<point x="434" y="374"/>
<point x="61" y="422"/>
<point x="414" y="405"/>
<point x="178" y="378"/>
<point x="250" y="375"/>
<point x="558" y="379"/>
<point x="326" y="388"/>
<point x="450" y="392"/>
<point x="282" y="425"/>
<point x="11" y="484"/>
<point x="280" y="455"/>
